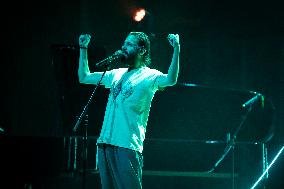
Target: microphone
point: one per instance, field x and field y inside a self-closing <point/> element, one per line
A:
<point x="118" y="55"/>
<point x="252" y="100"/>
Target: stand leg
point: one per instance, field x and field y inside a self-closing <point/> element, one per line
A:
<point x="233" y="167"/>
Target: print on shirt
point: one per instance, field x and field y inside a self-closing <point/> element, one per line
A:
<point x="122" y="88"/>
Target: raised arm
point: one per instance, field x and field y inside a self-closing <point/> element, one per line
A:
<point x="83" y="71"/>
<point x="171" y="77"/>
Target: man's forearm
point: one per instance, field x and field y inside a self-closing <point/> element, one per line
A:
<point x="83" y="69"/>
<point x="174" y="67"/>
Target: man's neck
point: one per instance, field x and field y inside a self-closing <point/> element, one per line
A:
<point x="135" y="66"/>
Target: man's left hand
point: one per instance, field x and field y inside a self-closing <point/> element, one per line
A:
<point x="174" y="40"/>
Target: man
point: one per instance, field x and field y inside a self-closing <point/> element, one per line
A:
<point x="132" y="89"/>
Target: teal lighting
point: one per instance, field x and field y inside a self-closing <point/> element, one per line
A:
<point x="273" y="161"/>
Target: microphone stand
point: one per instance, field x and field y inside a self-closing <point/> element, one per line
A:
<point x="79" y="120"/>
<point x="231" y="142"/>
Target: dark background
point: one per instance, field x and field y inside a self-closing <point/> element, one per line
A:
<point x="228" y="48"/>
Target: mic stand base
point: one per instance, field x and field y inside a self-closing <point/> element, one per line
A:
<point x="85" y="133"/>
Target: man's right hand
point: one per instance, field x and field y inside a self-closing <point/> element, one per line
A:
<point x="84" y="40"/>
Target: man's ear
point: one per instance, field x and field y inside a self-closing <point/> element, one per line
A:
<point x="142" y="51"/>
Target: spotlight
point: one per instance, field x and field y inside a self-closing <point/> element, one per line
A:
<point x="139" y="14"/>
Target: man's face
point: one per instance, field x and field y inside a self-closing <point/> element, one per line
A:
<point x="130" y="47"/>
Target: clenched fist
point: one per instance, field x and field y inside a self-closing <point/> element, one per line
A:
<point x="174" y="40"/>
<point x="84" y="40"/>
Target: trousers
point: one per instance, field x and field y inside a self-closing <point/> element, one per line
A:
<point x="119" y="168"/>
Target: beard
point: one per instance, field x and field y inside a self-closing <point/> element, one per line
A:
<point x="129" y="59"/>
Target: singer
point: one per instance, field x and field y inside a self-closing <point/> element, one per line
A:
<point x="120" y="144"/>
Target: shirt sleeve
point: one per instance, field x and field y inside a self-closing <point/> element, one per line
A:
<point x="108" y="78"/>
<point x="155" y="79"/>
<point x="111" y="76"/>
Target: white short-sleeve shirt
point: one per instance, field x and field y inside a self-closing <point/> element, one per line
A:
<point x="128" y="106"/>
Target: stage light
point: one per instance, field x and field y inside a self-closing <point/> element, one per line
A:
<point x="139" y="14"/>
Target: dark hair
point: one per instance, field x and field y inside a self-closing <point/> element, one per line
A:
<point x="144" y="42"/>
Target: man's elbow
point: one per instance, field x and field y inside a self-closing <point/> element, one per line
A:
<point x="172" y="82"/>
<point x="82" y="79"/>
